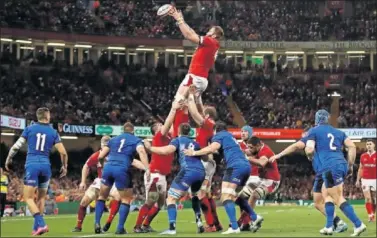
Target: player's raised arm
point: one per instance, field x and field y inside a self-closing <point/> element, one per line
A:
<point x="192" y="106"/>
<point x="170" y="119"/>
<point x="299" y="145"/>
<point x="14" y="150"/>
<point x="210" y="149"/>
<point x="351" y="152"/>
<point x="104" y="151"/>
<point x="187" y="31"/>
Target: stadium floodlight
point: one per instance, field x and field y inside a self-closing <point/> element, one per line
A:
<point x="119" y="53"/>
<point x="27" y="48"/>
<point x="264" y="52"/>
<point x="324" y="52"/>
<point x="6" y="39"/>
<point x="7" y="134"/>
<point x="58" y="50"/>
<point x="23" y="41"/>
<point x="234" y="52"/>
<point x="294" y="52"/>
<point x="356" y="52"/>
<point x="116" y="48"/>
<point x="82" y="46"/>
<point x="285" y="141"/>
<point x="69" y="137"/>
<point x="144" y="49"/>
<point x="174" y="50"/>
<point x="356" y="56"/>
<point x="55" y="44"/>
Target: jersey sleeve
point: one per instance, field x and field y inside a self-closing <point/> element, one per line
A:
<point x="311" y="135"/>
<point x="208" y="124"/>
<point x="57" y="138"/>
<point x="207" y="41"/>
<point x="93" y="159"/>
<point x="25" y="133"/>
<point x="175" y="143"/>
<point x="217" y="138"/>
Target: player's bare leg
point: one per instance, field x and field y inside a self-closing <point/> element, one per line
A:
<point x="143" y="213"/>
<point x="319" y="204"/>
<point x="153" y="212"/>
<point x="335" y="194"/>
<point x="114" y="208"/>
<point x="182" y="93"/>
<point x="206" y="206"/>
<point x="100" y="207"/>
<point x="173" y="196"/>
<point x="370" y="204"/>
<point x="126" y="197"/>
<point x="29" y="193"/>
<point x="90" y="195"/>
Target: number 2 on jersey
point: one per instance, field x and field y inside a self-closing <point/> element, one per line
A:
<point x="331" y="144"/>
<point x="41" y="140"/>
<point x="121" y="145"/>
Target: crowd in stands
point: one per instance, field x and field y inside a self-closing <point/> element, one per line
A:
<point x="242" y="20"/>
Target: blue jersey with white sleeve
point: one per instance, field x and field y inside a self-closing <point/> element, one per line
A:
<point x="123" y="149"/>
<point x="328" y="146"/>
<point x="187" y="162"/>
<point x="41" y="138"/>
<point x="315" y="159"/>
<point x="233" y="155"/>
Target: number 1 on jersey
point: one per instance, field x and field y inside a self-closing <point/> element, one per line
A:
<point x="41" y="140"/>
<point x="121" y="145"/>
<point x="331" y="144"/>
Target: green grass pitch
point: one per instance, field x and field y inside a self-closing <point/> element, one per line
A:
<point x="280" y="221"/>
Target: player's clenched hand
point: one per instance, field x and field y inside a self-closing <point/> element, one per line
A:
<point x="176" y="14"/>
<point x="177" y="104"/>
<point x="358" y="184"/>
<point x="189" y="152"/>
<point x="82" y="186"/>
<point x="63" y="172"/>
<point x="192" y="89"/>
<point x="273" y="158"/>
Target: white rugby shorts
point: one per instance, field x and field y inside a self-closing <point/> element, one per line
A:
<point x="200" y="83"/>
<point x="160" y="181"/>
<point x="369" y="184"/>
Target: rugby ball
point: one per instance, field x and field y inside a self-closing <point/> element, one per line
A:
<point x="164" y="9"/>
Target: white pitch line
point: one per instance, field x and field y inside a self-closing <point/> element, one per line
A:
<point x="44" y="217"/>
<point x="100" y="235"/>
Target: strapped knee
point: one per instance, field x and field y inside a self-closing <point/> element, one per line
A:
<point x="259" y="193"/>
<point x="230" y="191"/>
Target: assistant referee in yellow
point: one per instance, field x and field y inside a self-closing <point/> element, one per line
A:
<point x="3" y="189"/>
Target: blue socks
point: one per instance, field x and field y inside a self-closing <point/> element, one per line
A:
<point x="38" y="221"/>
<point x="347" y="209"/>
<point x="230" y="209"/>
<point x="124" y="209"/>
<point x="330" y="210"/>
<point x="100" y="206"/>
<point x="196" y="208"/>
<point x="172" y="214"/>
<point x="244" y="205"/>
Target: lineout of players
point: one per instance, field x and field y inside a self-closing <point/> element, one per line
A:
<point x="250" y="165"/>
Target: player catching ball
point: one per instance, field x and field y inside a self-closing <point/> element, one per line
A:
<point x="203" y="58"/>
